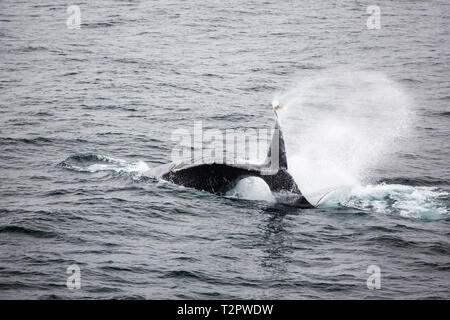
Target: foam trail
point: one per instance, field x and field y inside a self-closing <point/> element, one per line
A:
<point x="131" y="167"/>
<point x="98" y="163"/>
<point x="407" y="201"/>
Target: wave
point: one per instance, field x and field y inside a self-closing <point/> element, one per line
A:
<point x="421" y="202"/>
<point x="96" y="163"/>
<point x="34" y="141"/>
<point x="26" y="231"/>
<point x="406" y="201"/>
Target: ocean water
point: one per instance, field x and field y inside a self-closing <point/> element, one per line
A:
<point x="87" y="113"/>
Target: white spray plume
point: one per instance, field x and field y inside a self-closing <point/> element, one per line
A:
<point x="338" y="125"/>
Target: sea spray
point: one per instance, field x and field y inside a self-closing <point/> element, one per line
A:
<point x="339" y="125"/>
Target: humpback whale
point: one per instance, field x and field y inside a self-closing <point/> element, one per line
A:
<point x="218" y="178"/>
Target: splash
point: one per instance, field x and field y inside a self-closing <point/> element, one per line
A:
<point x="338" y="126"/>
<point x="407" y="201"/>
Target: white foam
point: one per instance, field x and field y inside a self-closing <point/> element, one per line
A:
<point x="408" y="201"/>
<point x="119" y="166"/>
<point x="251" y="188"/>
<point x="338" y="124"/>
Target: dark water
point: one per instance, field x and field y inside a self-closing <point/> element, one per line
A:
<point x="84" y="113"/>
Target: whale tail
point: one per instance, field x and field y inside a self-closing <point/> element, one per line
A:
<point x="280" y="182"/>
<point x="276" y="156"/>
<point x="218" y="178"/>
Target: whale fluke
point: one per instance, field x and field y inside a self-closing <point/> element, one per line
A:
<point x="218" y="178"/>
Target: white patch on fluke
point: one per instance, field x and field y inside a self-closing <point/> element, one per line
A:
<point x="251" y="188"/>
